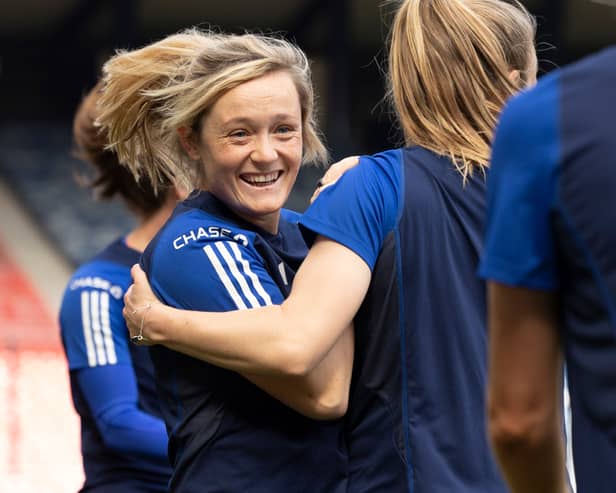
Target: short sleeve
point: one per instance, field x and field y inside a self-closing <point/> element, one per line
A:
<point x="93" y="330"/>
<point x="522" y="186"/>
<point x="210" y="275"/>
<point x="361" y="208"/>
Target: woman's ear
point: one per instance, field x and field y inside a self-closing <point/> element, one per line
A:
<point x="187" y="139"/>
<point x="514" y="77"/>
<point x="179" y="192"/>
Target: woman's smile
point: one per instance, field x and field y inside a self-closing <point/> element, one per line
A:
<point x="250" y="144"/>
<point x="261" y="180"/>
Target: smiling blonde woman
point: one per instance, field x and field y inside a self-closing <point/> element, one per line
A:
<point x="233" y="115"/>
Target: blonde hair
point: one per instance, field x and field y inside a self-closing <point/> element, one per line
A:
<point x="449" y="72"/>
<point x="151" y="92"/>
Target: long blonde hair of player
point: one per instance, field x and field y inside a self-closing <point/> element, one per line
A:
<point x="450" y="72"/>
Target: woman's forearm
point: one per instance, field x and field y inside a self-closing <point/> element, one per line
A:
<point x="525" y="388"/>
<point x="532" y="463"/>
<point x="289" y="339"/>
<point x="319" y="393"/>
<point x="251" y="341"/>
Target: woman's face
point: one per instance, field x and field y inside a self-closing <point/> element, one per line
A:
<point x="250" y="144"/>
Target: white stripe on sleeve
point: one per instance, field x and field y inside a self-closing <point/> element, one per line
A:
<point x="224" y="278"/>
<point x="87" y="328"/>
<point x="253" y="277"/>
<point x="221" y="247"/>
<point x="106" y="326"/>
<point x="96" y="328"/>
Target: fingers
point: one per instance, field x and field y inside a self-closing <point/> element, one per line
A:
<point x="142" y="291"/>
<point x="319" y="189"/>
<point x="137" y="274"/>
<point x="315" y="194"/>
<point x="138" y="300"/>
<point x="334" y="172"/>
<point x="127" y="301"/>
<point x="338" y="169"/>
<point x="129" y="312"/>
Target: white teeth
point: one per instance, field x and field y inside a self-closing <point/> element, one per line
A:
<point x="261" y="178"/>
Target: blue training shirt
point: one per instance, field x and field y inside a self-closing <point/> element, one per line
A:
<point x="552" y="226"/>
<point x="123" y="437"/>
<point x="416" y="419"/>
<point x="227" y="435"/>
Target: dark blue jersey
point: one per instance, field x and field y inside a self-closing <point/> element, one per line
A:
<point x="416" y="414"/>
<point x="123" y="438"/>
<point x="552" y="226"/>
<point x="227" y="435"/>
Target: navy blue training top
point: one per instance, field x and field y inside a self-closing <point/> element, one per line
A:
<point x="416" y="419"/>
<point x="123" y="438"/>
<point x="227" y="435"/>
<point x="552" y="226"/>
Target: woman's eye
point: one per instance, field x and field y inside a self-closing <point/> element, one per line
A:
<point x="239" y="134"/>
<point x="284" y="129"/>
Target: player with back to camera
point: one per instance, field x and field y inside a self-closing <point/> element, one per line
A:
<point x="123" y="436"/>
<point x="232" y="117"/>
<point x="550" y="260"/>
<point x="395" y="246"/>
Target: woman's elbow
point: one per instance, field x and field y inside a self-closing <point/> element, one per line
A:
<point x="294" y="359"/>
<point x="334" y="406"/>
<point x="512" y="429"/>
<point x="329" y="407"/>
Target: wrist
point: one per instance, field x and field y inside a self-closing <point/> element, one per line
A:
<point x="155" y="326"/>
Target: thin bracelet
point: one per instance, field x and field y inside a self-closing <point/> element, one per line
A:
<point x="139" y="337"/>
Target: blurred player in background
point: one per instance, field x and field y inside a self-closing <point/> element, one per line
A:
<point x="397" y="245"/>
<point x="123" y="438"/>
<point x="550" y="258"/>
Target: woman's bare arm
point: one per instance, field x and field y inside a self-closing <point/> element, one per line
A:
<point x="306" y="338"/>
<point x="525" y="389"/>
<point x="321" y="394"/>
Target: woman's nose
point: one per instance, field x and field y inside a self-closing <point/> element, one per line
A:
<point x="264" y="150"/>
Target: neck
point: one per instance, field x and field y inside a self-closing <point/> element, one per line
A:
<point x="268" y="222"/>
<point x="139" y="237"/>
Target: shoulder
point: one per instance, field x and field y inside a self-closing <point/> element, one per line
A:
<point x="373" y="183"/>
<point x="91" y="323"/>
<point x="191" y="231"/>
<point x="522" y="189"/>
<point x="527" y="144"/>
<point x="533" y="112"/>
<point x="594" y="68"/>
<point x="361" y="208"/>
<point x="107" y="272"/>
<point x="379" y="178"/>
<point x="373" y="172"/>
<point x="528" y="136"/>
<point x="200" y="252"/>
<point x="386" y="164"/>
<point x="94" y="284"/>
<point x="588" y="103"/>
